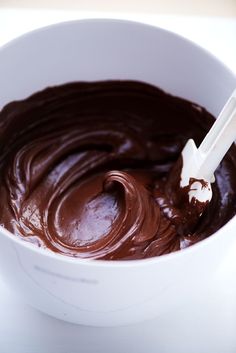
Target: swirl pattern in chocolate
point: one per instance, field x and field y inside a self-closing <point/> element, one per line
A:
<point x="83" y="170"/>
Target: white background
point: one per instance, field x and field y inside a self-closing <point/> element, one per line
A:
<point x="24" y="330"/>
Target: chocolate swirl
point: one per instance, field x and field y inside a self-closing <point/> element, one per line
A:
<point x="132" y="230"/>
<point x="83" y="170"/>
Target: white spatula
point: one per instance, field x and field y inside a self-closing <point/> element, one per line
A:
<point x="201" y="163"/>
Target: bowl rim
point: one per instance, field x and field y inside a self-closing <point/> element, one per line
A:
<point x="117" y="263"/>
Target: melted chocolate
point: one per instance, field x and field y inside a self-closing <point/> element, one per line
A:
<point x="84" y="170"/>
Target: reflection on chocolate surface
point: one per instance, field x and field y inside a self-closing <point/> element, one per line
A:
<point x="84" y="170"/>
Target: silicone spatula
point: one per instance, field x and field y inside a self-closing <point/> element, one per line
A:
<point x="199" y="164"/>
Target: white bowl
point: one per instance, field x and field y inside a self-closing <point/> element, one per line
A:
<point x="112" y="292"/>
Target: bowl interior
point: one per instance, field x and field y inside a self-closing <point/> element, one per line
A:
<point x="90" y="50"/>
<point x="112" y="49"/>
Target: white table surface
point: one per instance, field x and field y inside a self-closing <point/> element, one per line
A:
<point x="210" y="327"/>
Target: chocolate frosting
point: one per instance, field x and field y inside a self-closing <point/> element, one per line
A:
<point x="84" y="171"/>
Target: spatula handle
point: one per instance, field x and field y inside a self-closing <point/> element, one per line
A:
<point x="218" y="140"/>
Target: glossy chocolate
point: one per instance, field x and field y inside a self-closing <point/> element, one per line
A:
<point x="84" y="171"/>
